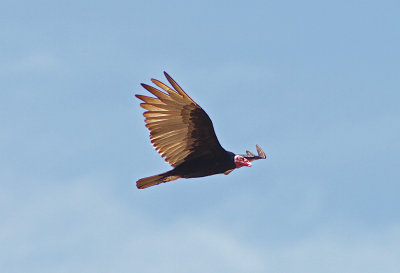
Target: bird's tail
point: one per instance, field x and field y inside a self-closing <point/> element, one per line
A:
<point x="155" y="180"/>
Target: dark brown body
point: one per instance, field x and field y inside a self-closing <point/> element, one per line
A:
<point x="205" y="166"/>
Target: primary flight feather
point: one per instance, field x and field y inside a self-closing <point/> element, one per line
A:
<point x="182" y="132"/>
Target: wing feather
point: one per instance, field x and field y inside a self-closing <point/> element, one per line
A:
<point x="168" y="137"/>
<point x="150" y="100"/>
<point x="164" y="114"/>
<point x="177" y="87"/>
<point x="159" y="133"/>
<point x="161" y="107"/>
<point x="178" y="126"/>
<point x="174" y="145"/>
<point x="165" y="142"/>
<point x="157" y="127"/>
<point x="152" y="107"/>
<point x="165" y="98"/>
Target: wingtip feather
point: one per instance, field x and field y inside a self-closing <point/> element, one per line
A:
<point x="260" y="152"/>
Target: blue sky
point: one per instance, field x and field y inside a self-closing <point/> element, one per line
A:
<point x="315" y="83"/>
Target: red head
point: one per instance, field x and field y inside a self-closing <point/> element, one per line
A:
<point x="241" y="161"/>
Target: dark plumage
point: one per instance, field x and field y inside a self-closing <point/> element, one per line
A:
<point x="182" y="132"/>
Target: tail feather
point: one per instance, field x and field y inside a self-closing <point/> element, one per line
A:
<point x="155" y="180"/>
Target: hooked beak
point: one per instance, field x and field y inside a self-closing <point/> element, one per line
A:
<point x="241" y="161"/>
<point x="247" y="163"/>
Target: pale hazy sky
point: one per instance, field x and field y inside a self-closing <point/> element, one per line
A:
<point x="315" y="83"/>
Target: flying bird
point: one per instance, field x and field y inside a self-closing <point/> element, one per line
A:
<point x="182" y="132"/>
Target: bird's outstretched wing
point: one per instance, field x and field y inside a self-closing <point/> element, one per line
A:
<point x="179" y="127"/>
<point x="251" y="157"/>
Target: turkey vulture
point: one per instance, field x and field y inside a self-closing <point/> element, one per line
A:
<point x="182" y="132"/>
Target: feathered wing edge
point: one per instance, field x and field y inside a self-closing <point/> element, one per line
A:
<point x="177" y="87"/>
<point x="261" y="154"/>
<point x="166" y="88"/>
<point x="164" y="120"/>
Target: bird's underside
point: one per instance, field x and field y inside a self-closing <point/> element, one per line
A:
<point x="182" y="132"/>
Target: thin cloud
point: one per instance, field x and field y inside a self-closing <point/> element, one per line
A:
<point x="85" y="221"/>
<point x="35" y="62"/>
